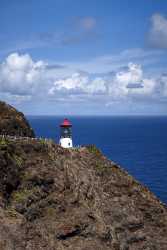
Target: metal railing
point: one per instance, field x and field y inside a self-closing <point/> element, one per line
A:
<point x="48" y="141"/>
<point x="23" y="138"/>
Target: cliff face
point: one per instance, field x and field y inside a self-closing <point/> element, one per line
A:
<point x="54" y="199"/>
<point x="13" y="122"/>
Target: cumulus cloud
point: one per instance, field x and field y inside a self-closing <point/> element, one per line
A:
<point x="23" y="79"/>
<point x="162" y="87"/>
<point x="116" y="85"/>
<point x="130" y="75"/>
<point x="19" y="74"/>
<point x="131" y="84"/>
<point x="126" y="84"/>
<point x="79" y="82"/>
<point x="158" y="31"/>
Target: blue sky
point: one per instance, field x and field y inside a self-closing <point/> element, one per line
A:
<point x="84" y="57"/>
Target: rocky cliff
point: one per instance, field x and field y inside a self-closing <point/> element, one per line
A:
<point x="70" y="199"/>
<point x="13" y="122"/>
<point x="75" y="199"/>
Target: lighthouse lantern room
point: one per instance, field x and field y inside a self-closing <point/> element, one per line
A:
<point x="66" y="134"/>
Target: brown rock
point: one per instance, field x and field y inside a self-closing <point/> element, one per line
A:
<point x="13" y="122"/>
<point x="56" y="199"/>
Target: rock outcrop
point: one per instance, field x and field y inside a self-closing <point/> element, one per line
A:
<point x="73" y="199"/>
<point x="13" y="122"/>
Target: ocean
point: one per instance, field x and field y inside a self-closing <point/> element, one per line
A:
<point x="138" y="144"/>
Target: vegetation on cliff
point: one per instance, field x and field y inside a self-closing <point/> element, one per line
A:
<point x="75" y="199"/>
<point x="13" y="122"/>
<point x="53" y="198"/>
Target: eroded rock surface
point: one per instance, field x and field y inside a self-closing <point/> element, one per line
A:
<point x="73" y="199"/>
<point x="13" y="122"/>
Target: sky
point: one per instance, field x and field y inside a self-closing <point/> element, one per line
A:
<point x="91" y="57"/>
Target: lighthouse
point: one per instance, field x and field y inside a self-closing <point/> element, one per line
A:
<point x="66" y="134"/>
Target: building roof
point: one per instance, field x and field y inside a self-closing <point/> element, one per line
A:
<point x="66" y="123"/>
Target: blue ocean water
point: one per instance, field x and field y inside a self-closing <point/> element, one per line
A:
<point x="138" y="144"/>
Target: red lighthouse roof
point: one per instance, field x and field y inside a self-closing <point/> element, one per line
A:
<point x="66" y="123"/>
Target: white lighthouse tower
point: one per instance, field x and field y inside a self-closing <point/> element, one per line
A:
<point x="66" y="134"/>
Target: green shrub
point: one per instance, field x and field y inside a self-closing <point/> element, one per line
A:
<point x="11" y="212"/>
<point x="22" y="195"/>
<point x="50" y="211"/>
<point x="3" y="141"/>
<point x="18" y="160"/>
<point x="93" y="149"/>
<point x="102" y="169"/>
<point x="43" y="141"/>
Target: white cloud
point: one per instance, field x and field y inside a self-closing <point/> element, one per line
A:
<point x="158" y="31"/>
<point x="23" y="79"/>
<point x="127" y="84"/>
<point x="163" y="85"/>
<point x="19" y="74"/>
<point x="133" y="76"/>
<point x="79" y="83"/>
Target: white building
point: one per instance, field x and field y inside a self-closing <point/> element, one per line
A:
<point x="66" y="134"/>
